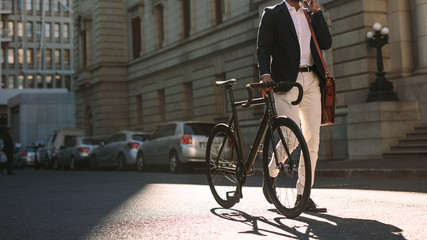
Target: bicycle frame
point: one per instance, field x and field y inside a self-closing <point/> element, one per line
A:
<point x="264" y="126"/>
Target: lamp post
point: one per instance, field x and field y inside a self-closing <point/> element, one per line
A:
<point x="381" y="89"/>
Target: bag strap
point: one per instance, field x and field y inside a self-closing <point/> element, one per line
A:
<point x="317" y="44"/>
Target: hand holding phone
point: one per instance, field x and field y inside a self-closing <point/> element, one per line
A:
<point x="311" y="5"/>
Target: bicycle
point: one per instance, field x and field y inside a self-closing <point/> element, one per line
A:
<point x="284" y="146"/>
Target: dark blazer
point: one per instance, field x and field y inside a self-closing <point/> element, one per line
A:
<point x="278" y="49"/>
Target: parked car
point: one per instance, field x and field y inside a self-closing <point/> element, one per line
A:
<point x="75" y="153"/>
<point x="119" y="150"/>
<point x="179" y="145"/>
<point x="46" y="155"/>
<point x="28" y="156"/>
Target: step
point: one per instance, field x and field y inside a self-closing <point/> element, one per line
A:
<point x="408" y="153"/>
<point x="417" y="135"/>
<point x="413" y="142"/>
<point x="414" y="147"/>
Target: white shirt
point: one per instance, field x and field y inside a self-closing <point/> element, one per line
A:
<point x="303" y="33"/>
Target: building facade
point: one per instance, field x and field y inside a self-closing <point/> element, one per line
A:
<point x="36" y="50"/>
<point x="140" y="63"/>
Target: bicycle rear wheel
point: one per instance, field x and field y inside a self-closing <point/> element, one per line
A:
<point x="222" y="157"/>
<point x="286" y="142"/>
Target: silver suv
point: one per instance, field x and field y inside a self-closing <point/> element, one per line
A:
<point x="179" y="145"/>
<point x="120" y="150"/>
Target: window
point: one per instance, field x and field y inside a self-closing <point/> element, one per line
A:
<point x="21" y="82"/>
<point x="11" y="81"/>
<point x="29" y="5"/>
<point x="48" y="30"/>
<point x="56" y="31"/>
<point x="58" y="81"/>
<point x="30" y="56"/>
<point x="19" y="4"/>
<point x="48" y="56"/>
<point x="136" y="37"/>
<point x="30" y="81"/>
<point x="10" y="56"/>
<point x="39" y="79"/>
<point x="57" y="56"/>
<point x="11" y="28"/>
<point x="29" y="29"/>
<point x="20" y="29"/>
<point x="48" y="4"/>
<point x="49" y="81"/>
<point x="20" y="56"/>
<point x="38" y="56"/>
<point x="66" y="57"/>
<point x="56" y="5"/>
<point x="39" y="5"/>
<point x="38" y="29"/>
<point x="159" y="25"/>
<point x="219" y="10"/>
<point x="186" y="16"/>
<point x="66" y="31"/>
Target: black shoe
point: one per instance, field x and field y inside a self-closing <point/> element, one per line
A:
<point x="265" y="191"/>
<point x="10" y="173"/>
<point x="311" y="206"/>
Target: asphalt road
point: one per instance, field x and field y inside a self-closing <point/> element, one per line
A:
<point x="40" y="204"/>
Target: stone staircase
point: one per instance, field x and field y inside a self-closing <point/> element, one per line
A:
<point x="414" y="145"/>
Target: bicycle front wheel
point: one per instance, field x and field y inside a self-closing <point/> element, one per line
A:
<point x="287" y="168"/>
<point x="222" y="157"/>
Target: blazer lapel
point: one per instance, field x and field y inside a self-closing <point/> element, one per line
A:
<point x="288" y="19"/>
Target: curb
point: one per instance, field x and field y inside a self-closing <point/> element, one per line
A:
<point x="367" y="173"/>
<point x="373" y="173"/>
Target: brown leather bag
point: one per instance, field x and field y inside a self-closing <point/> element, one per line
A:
<point x="329" y="94"/>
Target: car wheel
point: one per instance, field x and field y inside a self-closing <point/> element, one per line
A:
<point x="121" y="162"/>
<point x="140" y="164"/>
<point x="93" y="165"/>
<point x="72" y="163"/>
<point x="175" y="165"/>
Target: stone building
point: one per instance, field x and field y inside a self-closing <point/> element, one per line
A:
<point x="36" y="51"/>
<point x="140" y="63"/>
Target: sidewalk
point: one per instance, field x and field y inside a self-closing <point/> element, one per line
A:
<point x="382" y="168"/>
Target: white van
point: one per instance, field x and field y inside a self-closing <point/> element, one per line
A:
<point x="46" y="155"/>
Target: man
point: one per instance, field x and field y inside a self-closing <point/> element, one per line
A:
<point x="286" y="52"/>
<point x="8" y="146"/>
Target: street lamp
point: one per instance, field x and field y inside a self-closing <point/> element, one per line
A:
<point x="381" y="89"/>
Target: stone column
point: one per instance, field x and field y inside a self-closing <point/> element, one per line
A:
<point x="420" y="8"/>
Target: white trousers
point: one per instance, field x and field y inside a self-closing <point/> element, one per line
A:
<point x="307" y="115"/>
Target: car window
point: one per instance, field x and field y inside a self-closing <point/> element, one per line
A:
<point x="140" y="137"/>
<point x="198" y="128"/>
<point x="71" y="142"/>
<point x="68" y="137"/>
<point x="91" y="141"/>
<point x="164" y="131"/>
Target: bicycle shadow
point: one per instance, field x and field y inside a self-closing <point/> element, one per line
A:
<point x="314" y="226"/>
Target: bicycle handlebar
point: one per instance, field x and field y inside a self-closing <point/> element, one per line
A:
<point x="272" y="85"/>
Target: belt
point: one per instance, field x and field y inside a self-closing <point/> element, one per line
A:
<point x="305" y="69"/>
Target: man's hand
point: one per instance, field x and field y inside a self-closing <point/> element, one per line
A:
<point x="264" y="91"/>
<point x="312" y="5"/>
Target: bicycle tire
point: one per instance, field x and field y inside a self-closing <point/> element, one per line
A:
<point x="284" y="192"/>
<point x="222" y="157"/>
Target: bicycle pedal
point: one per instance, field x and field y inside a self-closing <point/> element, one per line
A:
<point x="233" y="195"/>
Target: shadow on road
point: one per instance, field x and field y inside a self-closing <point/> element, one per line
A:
<point x="314" y="226"/>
